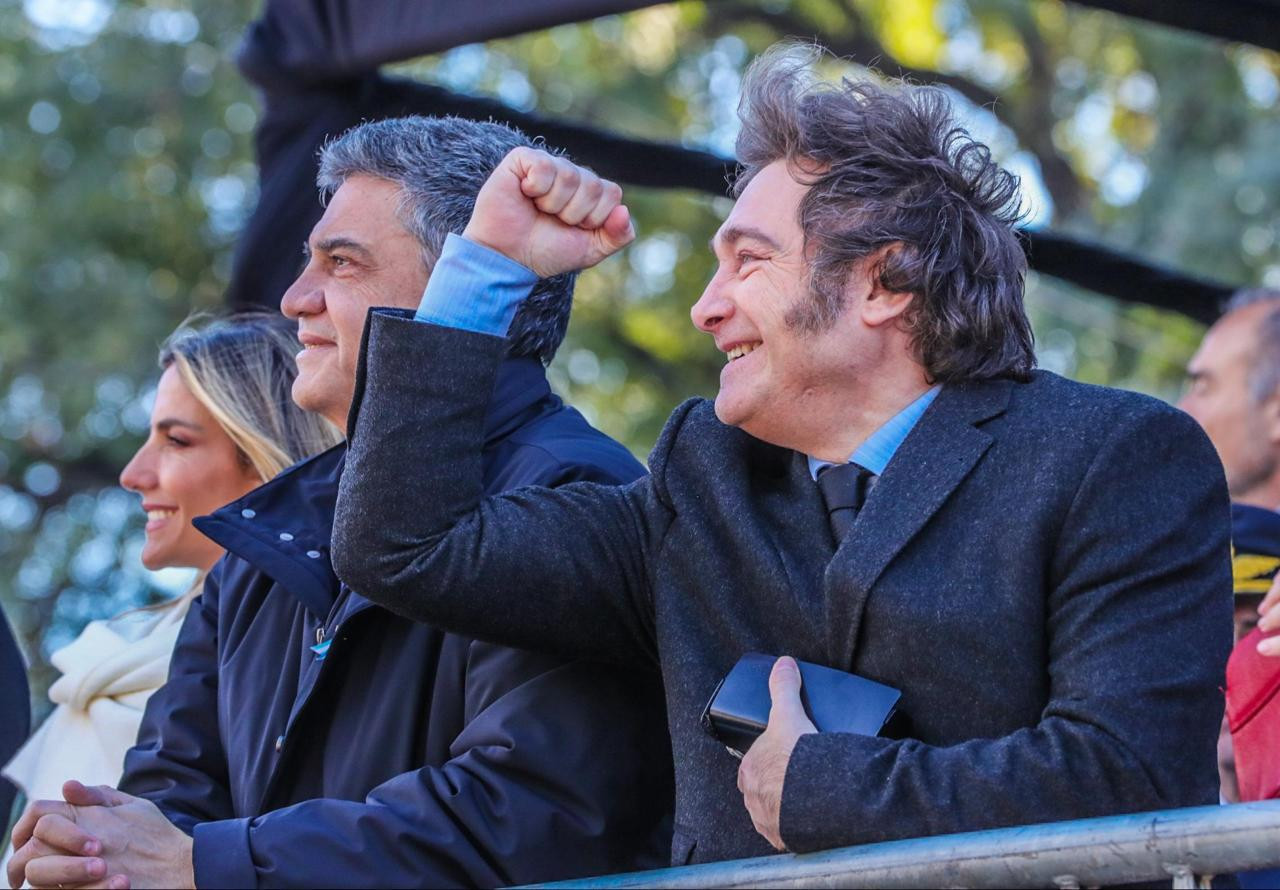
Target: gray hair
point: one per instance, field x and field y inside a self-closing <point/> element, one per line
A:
<point x="440" y="164"/>
<point x="1264" y="376"/>
<point x="889" y="170"/>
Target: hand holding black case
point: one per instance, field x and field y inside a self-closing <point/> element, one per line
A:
<point x="834" y="700"/>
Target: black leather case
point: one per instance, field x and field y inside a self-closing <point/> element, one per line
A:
<point x="834" y="700"/>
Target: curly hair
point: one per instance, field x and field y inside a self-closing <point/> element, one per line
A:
<point x="891" y="175"/>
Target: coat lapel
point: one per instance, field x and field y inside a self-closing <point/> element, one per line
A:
<point x="935" y="458"/>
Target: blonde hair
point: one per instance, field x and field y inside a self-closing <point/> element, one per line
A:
<point x="242" y="368"/>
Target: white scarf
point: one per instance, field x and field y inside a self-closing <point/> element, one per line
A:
<point x="108" y="674"/>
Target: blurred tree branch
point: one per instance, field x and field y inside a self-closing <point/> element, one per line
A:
<point x="1031" y="122"/>
<point x="1033" y="119"/>
<point x="856" y="44"/>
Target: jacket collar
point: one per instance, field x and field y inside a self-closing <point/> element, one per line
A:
<point x="933" y="460"/>
<point x="284" y="527"/>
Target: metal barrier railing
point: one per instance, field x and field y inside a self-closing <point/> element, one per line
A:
<point x="1188" y="845"/>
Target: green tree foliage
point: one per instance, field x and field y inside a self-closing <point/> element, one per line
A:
<point x="126" y="134"/>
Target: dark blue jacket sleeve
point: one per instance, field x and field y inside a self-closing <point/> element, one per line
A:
<point x="15" y="710"/>
<point x="178" y="762"/>
<point x="539" y="780"/>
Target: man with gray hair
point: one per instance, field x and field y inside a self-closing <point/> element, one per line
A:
<point x="310" y="738"/>
<point x="1234" y="393"/>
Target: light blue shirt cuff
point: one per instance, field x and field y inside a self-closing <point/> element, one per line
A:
<point x="474" y="288"/>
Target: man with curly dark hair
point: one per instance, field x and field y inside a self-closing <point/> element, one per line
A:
<point x="884" y="485"/>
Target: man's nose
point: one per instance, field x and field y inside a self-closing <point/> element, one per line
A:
<point x="304" y="297"/>
<point x="713" y="308"/>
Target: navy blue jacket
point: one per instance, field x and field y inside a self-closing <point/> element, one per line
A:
<point x="405" y="756"/>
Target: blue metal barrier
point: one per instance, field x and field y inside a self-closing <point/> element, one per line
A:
<point x="1187" y="845"/>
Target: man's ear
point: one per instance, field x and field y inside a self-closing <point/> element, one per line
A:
<point x="881" y="306"/>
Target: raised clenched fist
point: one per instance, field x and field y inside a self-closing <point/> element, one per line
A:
<point x="549" y="214"/>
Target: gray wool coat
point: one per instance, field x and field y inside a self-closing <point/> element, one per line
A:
<point x="1043" y="569"/>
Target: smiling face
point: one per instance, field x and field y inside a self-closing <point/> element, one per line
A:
<point x="359" y="255"/>
<point x="188" y="467"/>
<point x="784" y="382"/>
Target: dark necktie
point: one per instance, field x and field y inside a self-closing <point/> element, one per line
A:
<point x="844" y="488"/>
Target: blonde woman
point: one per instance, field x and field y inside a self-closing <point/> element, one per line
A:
<point x="222" y="424"/>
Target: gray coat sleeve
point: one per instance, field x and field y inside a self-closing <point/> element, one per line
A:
<point x="1142" y="554"/>
<point x="414" y="532"/>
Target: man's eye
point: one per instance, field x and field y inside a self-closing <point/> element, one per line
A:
<point x="177" y="442"/>
<point x="339" y="261"/>
<point x="744" y="258"/>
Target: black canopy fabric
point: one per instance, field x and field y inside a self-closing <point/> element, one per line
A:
<point x="316" y="63"/>
<point x="317" y="66"/>
<point x="1246" y="21"/>
<point x="1124" y="277"/>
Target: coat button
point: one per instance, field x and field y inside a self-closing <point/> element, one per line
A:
<point x="314" y="554"/>
<point x="285" y="536"/>
<point x="247" y="513"/>
<point x="279" y="742"/>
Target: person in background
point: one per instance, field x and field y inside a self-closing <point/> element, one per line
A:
<point x="1233" y="392"/>
<point x="221" y="425"/>
<point x="1251" y="727"/>
<point x="1255" y="558"/>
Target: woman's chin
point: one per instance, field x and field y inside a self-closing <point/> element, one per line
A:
<point x="155" y="558"/>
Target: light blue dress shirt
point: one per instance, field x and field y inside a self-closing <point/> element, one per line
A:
<point x="880" y="447"/>
<point x="478" y="289"/>
<point x="474" y="288"/>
